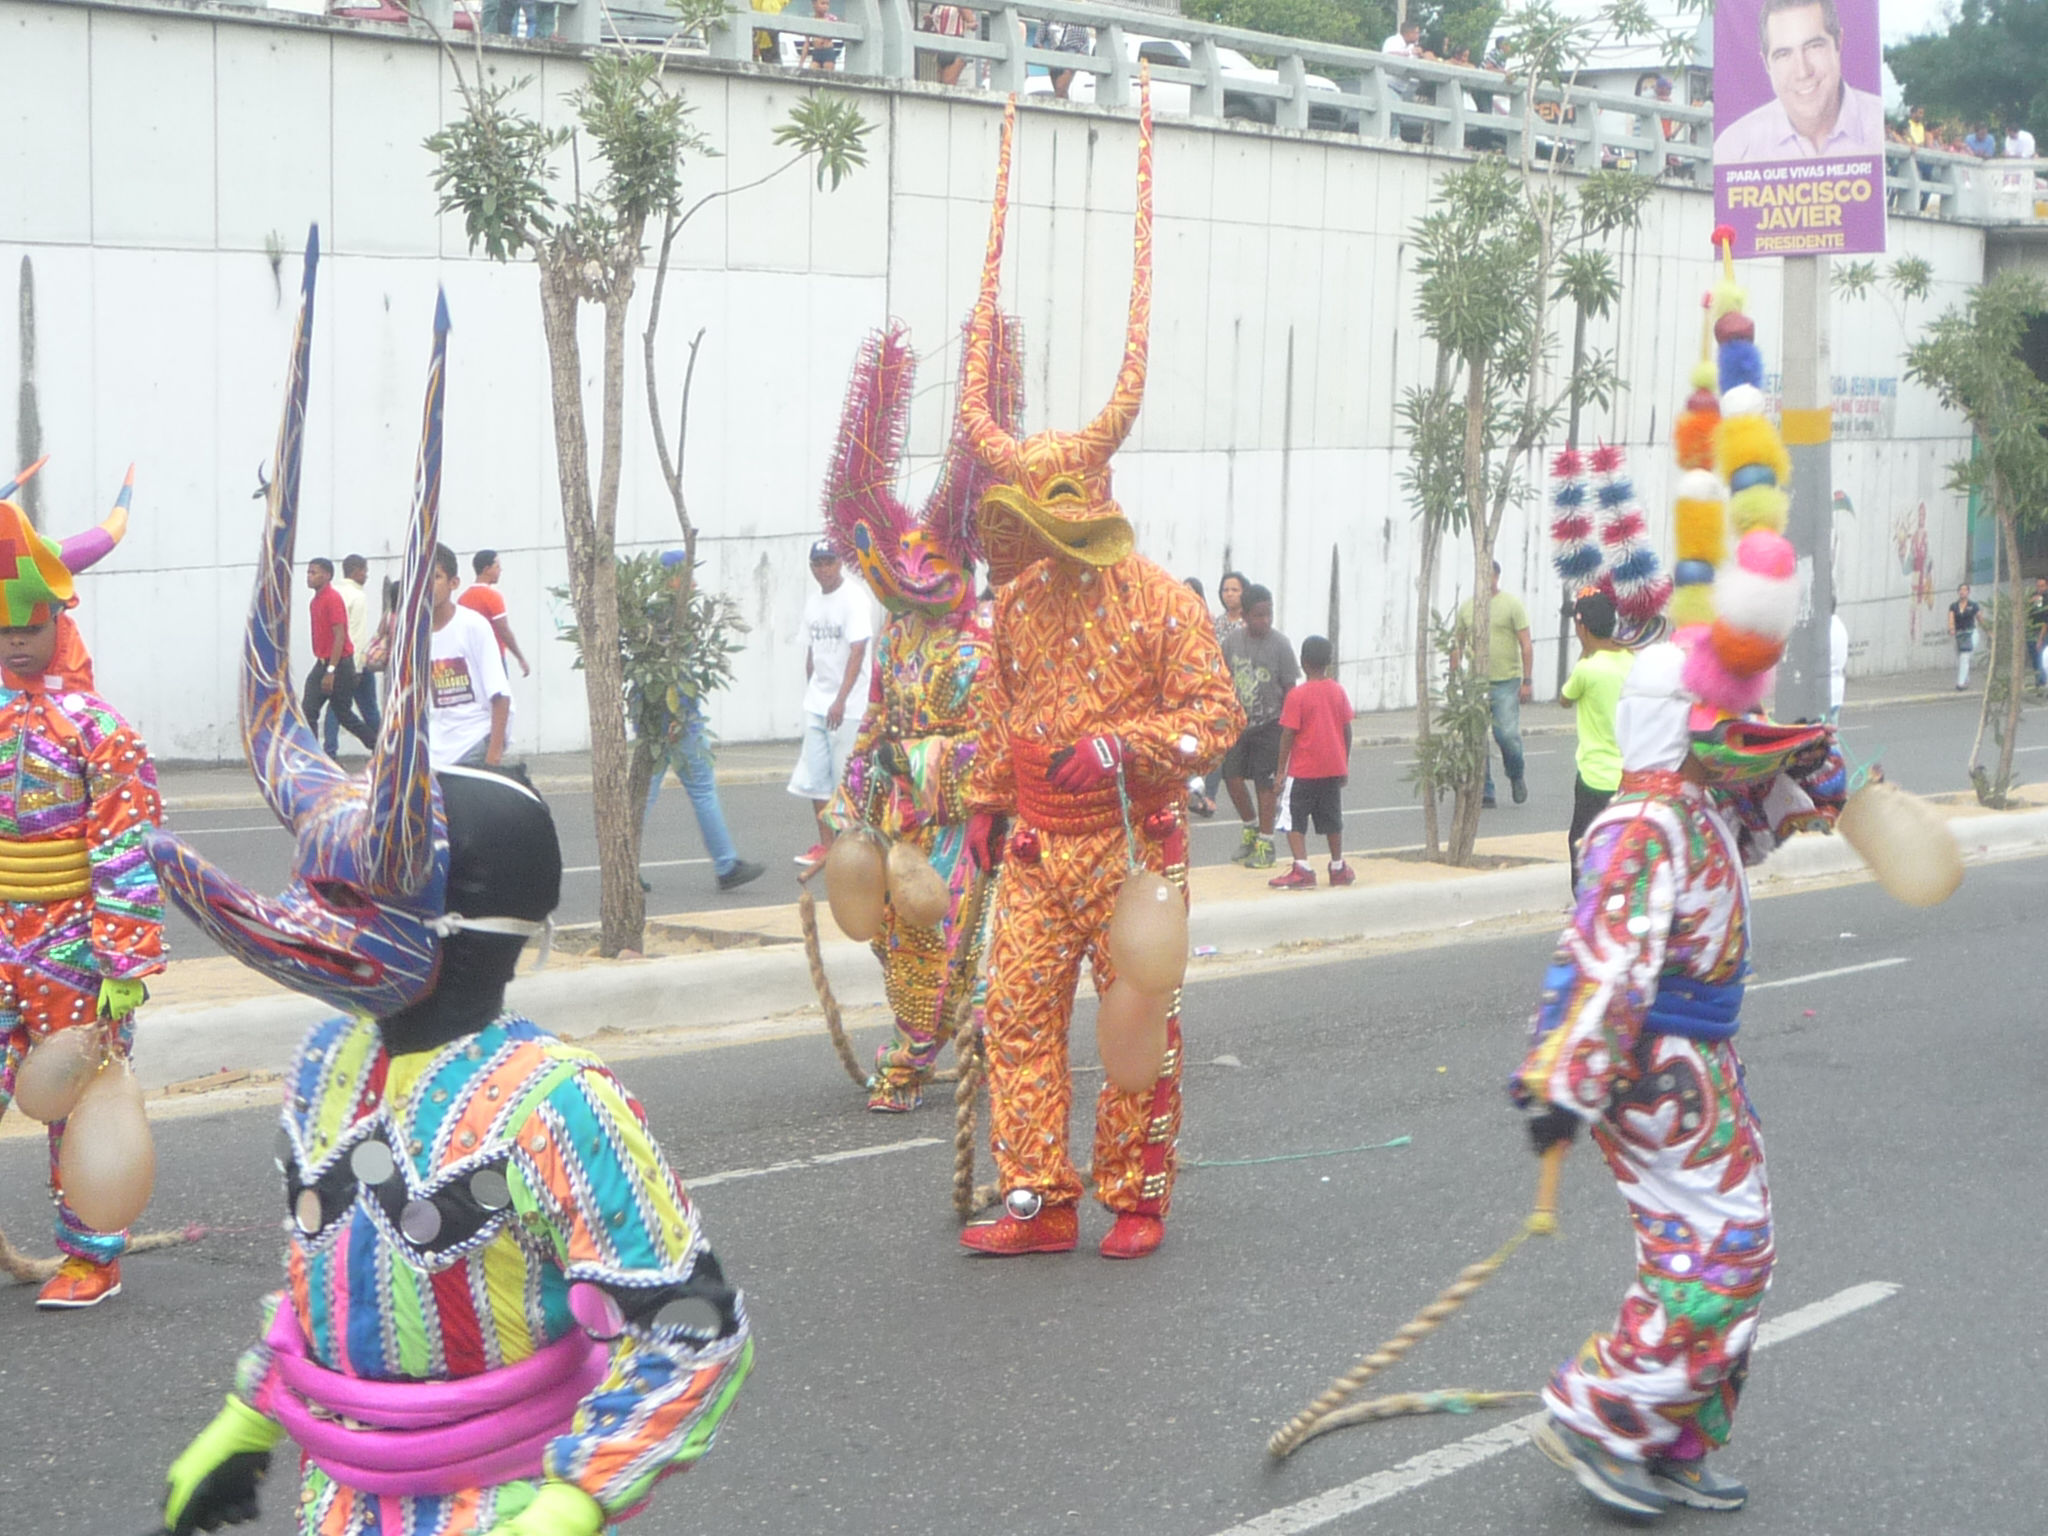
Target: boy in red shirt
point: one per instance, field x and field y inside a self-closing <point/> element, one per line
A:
<point x="1315" y="747"/>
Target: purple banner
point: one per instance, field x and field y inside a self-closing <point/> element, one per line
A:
<point x="1798" y="127"/>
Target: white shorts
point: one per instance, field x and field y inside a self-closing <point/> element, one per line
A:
<point x="821" y="756"/>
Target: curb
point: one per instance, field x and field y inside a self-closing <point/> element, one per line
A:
<point x="736" y="986"/>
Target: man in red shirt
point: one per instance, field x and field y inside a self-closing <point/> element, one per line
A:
<point x="332" y="682"/>
<point x="1315" y="749"/>
<point x="482" y="596"/>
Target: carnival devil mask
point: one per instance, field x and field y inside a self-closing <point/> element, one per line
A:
<point x="1053" y="495"/>
<point x="35" y="571"/>
<point x="911" y="563"/>
<point x="361" y="922"/>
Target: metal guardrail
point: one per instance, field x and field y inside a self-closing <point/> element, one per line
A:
<point x="1310" y="86"/>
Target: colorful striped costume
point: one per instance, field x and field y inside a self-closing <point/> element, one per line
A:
<point x="1636" y="1035"/>
<point x="923" y="703"/>
<point x="77" y="798"/>
<point x="519" y="1188"/>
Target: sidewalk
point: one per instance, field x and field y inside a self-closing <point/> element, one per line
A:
<point x="222" y="787"/>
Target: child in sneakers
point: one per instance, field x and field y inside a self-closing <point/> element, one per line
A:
<point x="1315" y="746"/>
<point x="1262" y="669"/>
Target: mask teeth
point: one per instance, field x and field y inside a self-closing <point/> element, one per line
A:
<point x="403" y="824"/>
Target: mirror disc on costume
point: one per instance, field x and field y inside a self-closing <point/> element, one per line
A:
<point x="371" y="1162"/>
<point x="695" y="1316"/>
<point x="420" y="1221"/>
<point x="281" y="1150"/>
<point x="306" y="1211"/>
<point x="490" y="1189"/>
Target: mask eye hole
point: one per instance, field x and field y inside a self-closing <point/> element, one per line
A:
<point x="1064" y="489"/>
<point x="339" y="896"/>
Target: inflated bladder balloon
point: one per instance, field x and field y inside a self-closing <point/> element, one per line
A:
<point x="1905" y="841"/>
<point x="915" y="889"/>
<point x="107" y="1164"/>
<point x="55" y="1072"/>
<point x="1130" y="1032"/>
<point x="1148" y="933"/>
<point x="855" y="884"/>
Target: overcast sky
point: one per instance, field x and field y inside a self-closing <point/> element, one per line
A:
<point x="1902" y="18"/>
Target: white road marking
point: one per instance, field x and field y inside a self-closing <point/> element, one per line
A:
<point x="2031" y="749"/>
<point x="591" y="869"/>
<point x="1840" y="970"/>
<point x="822" y="1160"/>
<point x="1418" y="1471"/>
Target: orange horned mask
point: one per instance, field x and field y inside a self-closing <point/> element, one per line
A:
<point x="1055" y="498"/>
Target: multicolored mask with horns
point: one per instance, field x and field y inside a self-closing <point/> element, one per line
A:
<point x="912" y="562"/>
<point x="36" y="572"/>
<point x="1053" y="491"/>
<point x="361" y="923"/>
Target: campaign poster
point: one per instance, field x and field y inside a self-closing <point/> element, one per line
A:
<point x="1799" y="127"/>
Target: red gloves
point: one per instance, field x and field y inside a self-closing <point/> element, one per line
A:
<point x="1087" y="764"/>
<point x="984" y="841"/>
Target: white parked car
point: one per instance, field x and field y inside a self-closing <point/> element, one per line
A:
<point x="1172" y="98"/>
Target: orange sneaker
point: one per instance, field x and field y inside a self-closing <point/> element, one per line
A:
<point x="79" y="1283"/>
<point x="1133" y="1236"/>
<point x="1053" y="1229"/>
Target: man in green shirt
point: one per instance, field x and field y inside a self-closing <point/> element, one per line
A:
<point x="1511" y="671"/>
<point x="1594" y="688"/>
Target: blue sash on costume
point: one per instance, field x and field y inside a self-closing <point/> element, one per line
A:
<point x="1698" y="1010"/>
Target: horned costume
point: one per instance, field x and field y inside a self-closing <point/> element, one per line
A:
<point x="1106" y="693"/>
<point x="1635" y="1034"/>
<point x="81" y="918"/>
<point x="499" y="1314"/>
<point x="907" y="775"/>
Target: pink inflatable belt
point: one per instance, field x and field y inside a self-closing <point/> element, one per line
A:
<point x="429" y="1437"/>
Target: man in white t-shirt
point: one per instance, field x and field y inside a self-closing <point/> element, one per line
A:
<point x="2019" y="144"/>
<point x="469" y="701"/>
<point x="837" y="627"/>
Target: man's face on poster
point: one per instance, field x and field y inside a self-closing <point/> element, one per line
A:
<point x="1806" y="67"/>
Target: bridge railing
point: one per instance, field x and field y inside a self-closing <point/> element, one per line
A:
<point x="1210" y="73"/>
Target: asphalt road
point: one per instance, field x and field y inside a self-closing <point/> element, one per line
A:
<point x="905" y="1387"/>
<point x="1924" y="747"/>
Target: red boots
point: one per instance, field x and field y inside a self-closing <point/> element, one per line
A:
<point x="1133" y="1236"/>
<point x="80" y="1283"/>
<point x="1053" y="1229"/>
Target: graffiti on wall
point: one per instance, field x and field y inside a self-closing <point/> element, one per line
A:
<point x="1909" y="540"/>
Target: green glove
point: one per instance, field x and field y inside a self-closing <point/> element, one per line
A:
<point x="118" y="999"/>
<point x="214" y="1481"/>
<point x="558" y="1509"/>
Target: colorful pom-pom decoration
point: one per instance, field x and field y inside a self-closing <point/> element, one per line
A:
<point x="1606" y="459"/>
<point x="1742" y="652"/>
<point x="1743" y="400"/>
<point x="1692" y="605"/>
<point x="1759" y="506"/>
<point x="1574" y="553"/>
<point x="1752" y="474"/>
<point x="1692" y="573"/>
<point x="1566" y="464"/>
<point x="1706" y="376"/>
<point x="1741" y="363"/>
<point x="1734" y="327"/>
<point x="1709" y="681"/>
<point x="1701" y="530"/>
<point x="1750" y="440"/>
<point x="1693" y="439"/>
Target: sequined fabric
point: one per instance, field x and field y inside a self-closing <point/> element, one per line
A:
<point x="1662" y="894"/>
<point x="440" y="1206"/>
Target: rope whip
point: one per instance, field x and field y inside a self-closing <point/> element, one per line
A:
<point x="23" y="1270"/>
<point x="1334" y="1408"/>
<point x="807" y="919"/>
<point x="970" y="1051"/>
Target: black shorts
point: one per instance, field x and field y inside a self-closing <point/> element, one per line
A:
<point x="1256" y="755"/>
<point x="1322" y="799"/>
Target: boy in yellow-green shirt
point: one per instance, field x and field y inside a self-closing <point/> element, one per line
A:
<point x="1594" y="689"/>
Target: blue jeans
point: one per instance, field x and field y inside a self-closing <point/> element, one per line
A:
<point x="364" y="697"/>
<point x="689" y="755"/>
<point x="1505" y="697"/>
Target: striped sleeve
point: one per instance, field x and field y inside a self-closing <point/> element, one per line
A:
<point x="1604" y="974"/>
<point x="622" y="1222"/>
<point x="127" y="906"/>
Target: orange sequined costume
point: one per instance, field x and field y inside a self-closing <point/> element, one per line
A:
<point x="1107" y="685"/>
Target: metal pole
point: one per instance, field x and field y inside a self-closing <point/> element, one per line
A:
<point x="1808" y="424"/>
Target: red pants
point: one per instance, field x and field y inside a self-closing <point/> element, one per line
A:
<point x="1050" y="915"/>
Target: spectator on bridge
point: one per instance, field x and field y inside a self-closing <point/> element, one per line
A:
<point x="482" y="596"/>
<point x="520" y="18"/>
<point x="1981" y="142"/>
<point x="823" y="52"/>
<point x="1064" y="37"/>
<point x="1404" y="44"/>
<point x="952" y="21"/>
<point x="768" y="45"/>
<point x="2019" y="144"/>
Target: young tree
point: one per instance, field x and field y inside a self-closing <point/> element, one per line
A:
<point x="1497" y="249"/>
<point x="1970" y="357"/>
<point x="1989" y="65"/>
<point x="588" y="248"/>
